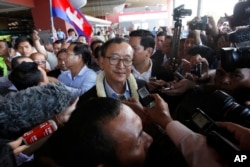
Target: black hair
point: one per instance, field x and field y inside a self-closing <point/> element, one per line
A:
<point x="205" y="52"/>
<point x="85" y="137"/>
<point x="98" y="50"/>
<point x="116" y="40"/>
<point x="161" y="33"/>
<point x="95" y="42"/>
<point x="83" y="50"/>
<point x="147" y="38"/>
<point x="14" y="61"/>
<point x="23" y="39"/>
<point x="63" y="50"/>
<point x="26" y="75"/>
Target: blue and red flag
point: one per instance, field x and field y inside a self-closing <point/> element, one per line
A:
<point x="64" y="10"/>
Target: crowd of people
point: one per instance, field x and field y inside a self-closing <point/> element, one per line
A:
<point x="92" y="90"/>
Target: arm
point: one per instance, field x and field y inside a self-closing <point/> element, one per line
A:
<point x="241" y="134"/>
<point x="37" y="44"/>
<point x="193" y="146"/>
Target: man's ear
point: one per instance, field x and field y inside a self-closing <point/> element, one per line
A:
<point x="150" y="51"/>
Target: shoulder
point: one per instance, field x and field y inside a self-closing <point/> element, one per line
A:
<point x="87" y="95"/>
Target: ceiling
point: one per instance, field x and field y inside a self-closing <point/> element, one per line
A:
<point x="93" y="8"/>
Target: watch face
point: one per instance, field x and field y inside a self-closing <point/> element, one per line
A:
<point x="200" y="120"/>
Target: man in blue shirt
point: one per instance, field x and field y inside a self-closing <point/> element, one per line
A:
<point x="79" y="78"/>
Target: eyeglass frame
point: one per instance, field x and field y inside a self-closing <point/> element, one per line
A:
<point x="118" y="61"/>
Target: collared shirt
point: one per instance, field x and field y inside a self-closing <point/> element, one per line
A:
<point x="111" y="93"/>
<point x="145" y="75"/>
<point x="81" y="83"/>
<point x="165" y="59"/>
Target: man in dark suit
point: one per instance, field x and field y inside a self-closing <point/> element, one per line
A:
<point x="158" y="55"/>
<point x="143" y="43"/>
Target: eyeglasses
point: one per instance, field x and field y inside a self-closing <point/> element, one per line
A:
<point x="40" y="61"/>
<point x="115" y="60"/>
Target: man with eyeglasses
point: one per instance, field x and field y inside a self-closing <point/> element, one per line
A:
<point x="40" y="60"/>
<point x="115" y="80"/>
<point x="79" y="78"/>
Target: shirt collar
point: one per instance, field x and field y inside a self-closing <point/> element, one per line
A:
<point x="111" y="93"/>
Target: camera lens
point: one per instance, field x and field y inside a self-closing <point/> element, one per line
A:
<point x="222" y="107"/>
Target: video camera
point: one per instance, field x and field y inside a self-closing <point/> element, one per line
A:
<point x="238" y="57"/>
<point x="199" y="25"/>
<point x="232" y="58"/>
<point x="180" y="12"/>
<point x="220" y="106"/>
<point x="241" y="14"/>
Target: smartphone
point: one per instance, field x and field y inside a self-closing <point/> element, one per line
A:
<point x="146" y="99"/>
<point x="152" y="79"/>
<point x="165" y="89"/>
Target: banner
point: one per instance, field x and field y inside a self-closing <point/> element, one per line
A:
<point x="65" y="11"/>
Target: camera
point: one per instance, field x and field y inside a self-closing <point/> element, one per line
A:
<point x="241" y="14"/>
<point x="220" y="106"/>
<point x="180" y="12"/>
<point x="217" y="137"/>
<point x="232" y="58"/>
<point x="199" y="25"/>
<point x="146" y="99"/>
<point x="196" y="69"/>
<point x="240" y="35"/>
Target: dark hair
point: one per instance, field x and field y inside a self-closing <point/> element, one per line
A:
<point x="98" y="50"/>
<point x="59" y="41"/>
<point x="116" y="40"/>
<point x="95" y="42"/>
<point x="71" y="30"/>
<point x="205" y="52"/>
<point x="169" y="37"/>
<point x="147" y="38"/>
<point x="14" y="61"/>
<point x="161" y="33"/>
<point x="63" y="50"/>
<point x="23" y="39"/>
<point x="25" y="75"/>
<point x="85" y="137"/>
<point x="83" y="50"/>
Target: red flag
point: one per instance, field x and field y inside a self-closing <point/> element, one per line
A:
<point x="64" y="10"/>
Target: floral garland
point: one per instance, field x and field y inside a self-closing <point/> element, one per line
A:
<point x="101" y="90"/>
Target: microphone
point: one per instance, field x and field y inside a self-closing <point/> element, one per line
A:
<point x="24" y="109"/>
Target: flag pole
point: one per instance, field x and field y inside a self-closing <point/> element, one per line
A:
<point x="51" y="19"/>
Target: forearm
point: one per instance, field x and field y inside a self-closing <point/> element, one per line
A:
<point x="40" y="48"/>
<point x="193" y="146"/>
